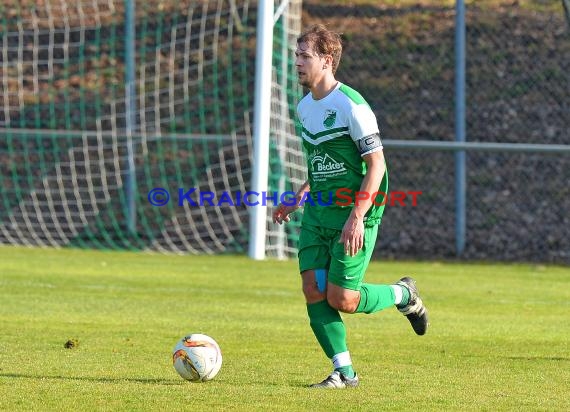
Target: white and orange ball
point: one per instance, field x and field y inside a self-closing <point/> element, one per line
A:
<point x="197" y="357"/>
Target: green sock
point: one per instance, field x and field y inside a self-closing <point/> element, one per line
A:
<point x="405" y="297"/>
<point x="347" y="371"/>
<point x="328" y="327"/>
<point x="375" y="297"/>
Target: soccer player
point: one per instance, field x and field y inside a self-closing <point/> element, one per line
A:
<point x="346" y="164"/>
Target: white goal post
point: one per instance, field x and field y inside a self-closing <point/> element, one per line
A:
<point x="261" y="125"/>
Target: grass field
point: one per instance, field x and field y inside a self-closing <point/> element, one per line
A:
<point x="499" y="337"/>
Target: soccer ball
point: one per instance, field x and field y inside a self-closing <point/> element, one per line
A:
<point x="197" y="357"/>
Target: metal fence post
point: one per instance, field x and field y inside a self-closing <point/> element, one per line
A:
<point x="460" y="172"/>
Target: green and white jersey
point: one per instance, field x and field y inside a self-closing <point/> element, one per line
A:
<point x="331" y="129"/>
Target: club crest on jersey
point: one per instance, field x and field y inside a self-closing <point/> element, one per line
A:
<point x="330" y="118"/>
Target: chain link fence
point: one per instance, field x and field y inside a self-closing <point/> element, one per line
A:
<point x="400" y="56"/>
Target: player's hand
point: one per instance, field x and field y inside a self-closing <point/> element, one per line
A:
<point x="352" y="235"/>
<point x="281" y="214"/>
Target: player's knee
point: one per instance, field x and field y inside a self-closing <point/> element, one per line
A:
<point x="343" y="303"/>
<point x="311" y="292"/>
<point x="342" y="299"/>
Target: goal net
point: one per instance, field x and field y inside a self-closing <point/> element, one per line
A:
<point x="130" y="126"/>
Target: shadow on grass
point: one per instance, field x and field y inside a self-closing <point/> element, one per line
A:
<point x="547" y="358"/>
<point x="151" y="381"/>
<point x="148" y="381"/>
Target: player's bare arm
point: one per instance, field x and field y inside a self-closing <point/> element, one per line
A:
<point x="281" y="214"/>
<point x="353" y="232"/>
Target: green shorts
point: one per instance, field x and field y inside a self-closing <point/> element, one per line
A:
<point x="319" y="249"/>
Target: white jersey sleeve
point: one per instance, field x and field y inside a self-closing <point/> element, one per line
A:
<point x="362" y="122"/>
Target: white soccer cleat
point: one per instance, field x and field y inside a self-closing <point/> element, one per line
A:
<point x="337" y="380"/>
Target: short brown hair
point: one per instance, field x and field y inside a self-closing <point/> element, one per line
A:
<point x="324" y="42"/>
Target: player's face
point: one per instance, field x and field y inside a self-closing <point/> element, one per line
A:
<point x="309" y="65"/>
